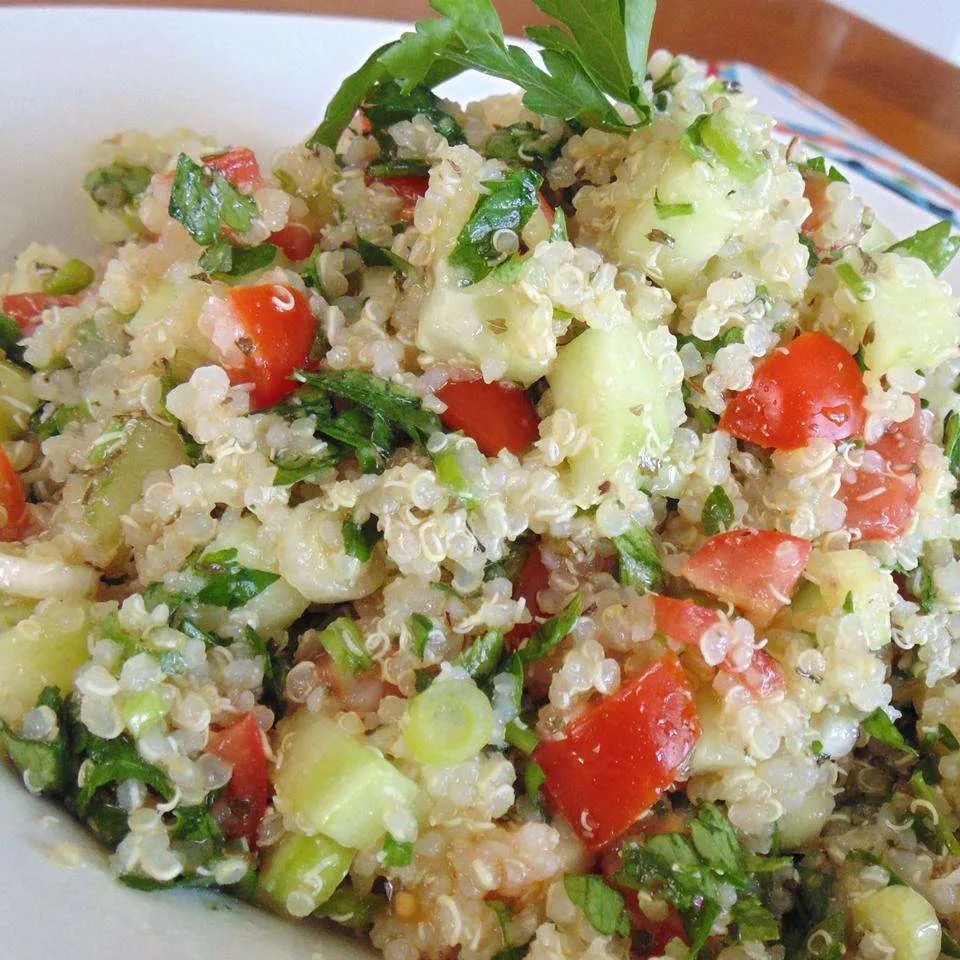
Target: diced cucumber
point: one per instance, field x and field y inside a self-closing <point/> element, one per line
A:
<point x="627" y="397"/>
<point x="904" y="287"/>
<point x="276" y="606"/>
<point x="331" y="782"/>
<point x="17" y="401"/>
<point x="302" y="873"/>
<point x="168" y="298"/>
<point x="43" y="650"/>
<point x="488" y="321"/>
<point x="148" y="447"/>
<point x="839" y="573"/>
<point x="690" y="241"/>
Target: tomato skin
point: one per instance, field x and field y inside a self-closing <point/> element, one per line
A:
<point x="620" y="756"/>
<point x="682" y="620"/>
<point x="533" y="577"/>
<point x="902" y="442"/>
<point x="755" y="570"/>
<point x="277" y="322"/>
<point x="409" y="189"/>
<point x="295" y="240"/>
<point x="26" y="308"/>
<point x="248" y="791"/>
<point x="239" y="166"/>
<point x="810" y="388"/>
<point x="498" y="415"/>
<point x="13" y="503"/>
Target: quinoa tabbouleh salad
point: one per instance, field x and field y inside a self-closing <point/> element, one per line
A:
<point x="515" y="530"/>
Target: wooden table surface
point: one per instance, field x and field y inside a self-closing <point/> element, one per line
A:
<point x="901" y="94"/>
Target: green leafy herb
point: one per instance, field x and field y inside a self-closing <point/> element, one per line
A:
<point x="420" y="627"/>
<point x="359" y="541"/>
<point x="397" y="853"/>
<point x="639" y="560"/>
<point x="483" y="655"/>
<point x="940" y="735"/>
<point x="667" y="210"/>
<point x="717" y="514"/>
<point x="861" y="288"/>
<point x="203" y="198"/>
<point x="691" y="872"/>
<point x="935" y="246"/>
<point x="228" y="583"/>
<point x="397" y="167"/>
<point x="72" y="277"/>
<point x="344" y="642"/>
<point x="813" y="255"/>
<point x="373" y="255"/>
<point x="293" y="469"/>
<point x="116" y="185"/>
<point x="522" y="144"/>
<point x="533" y="779"/>
<point x="389" y="104"/>
<point x="601" y="904"/>
<point x="378" y="414"/>
<point x="224" y="260"/>
<point x="820" y="165"/>
<point x="936" y="827"/>
<point x="551" y="632"/>
<point x="848" y="602"/>
<point x="351" y="909"/>
<point x="754" y="921"/>
<point x="276" y="666"/>
<point x="109" y="762"/>
<point x="879" y="726"/>
<point x="42" y="763"/>
<point x="10" y="337"/>
<point x="508" y="205"/>
<point x="949" y="946"/>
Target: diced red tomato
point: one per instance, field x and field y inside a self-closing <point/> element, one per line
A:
<point x="13" y="504"/>
<point x="409" y="189"/>
<point x="682" y="620"/>
<point x="810" y="388"/>
<point x="902" y="442"/>
<point x="239" y="166"/>
<point x="248" y="792"/>
<point x="620" y="756"/>
<point x="278" y="331"/>
<point x="755" y="570"/>
<point x="295" y="240"/>
<point x="26" y="308"/>
<point x="881" y="502"/>
<point x="880" y="505"/>
<point x="685" y="622"/>
<point x="533" y="577"/>
<point x="499" y="416"/>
